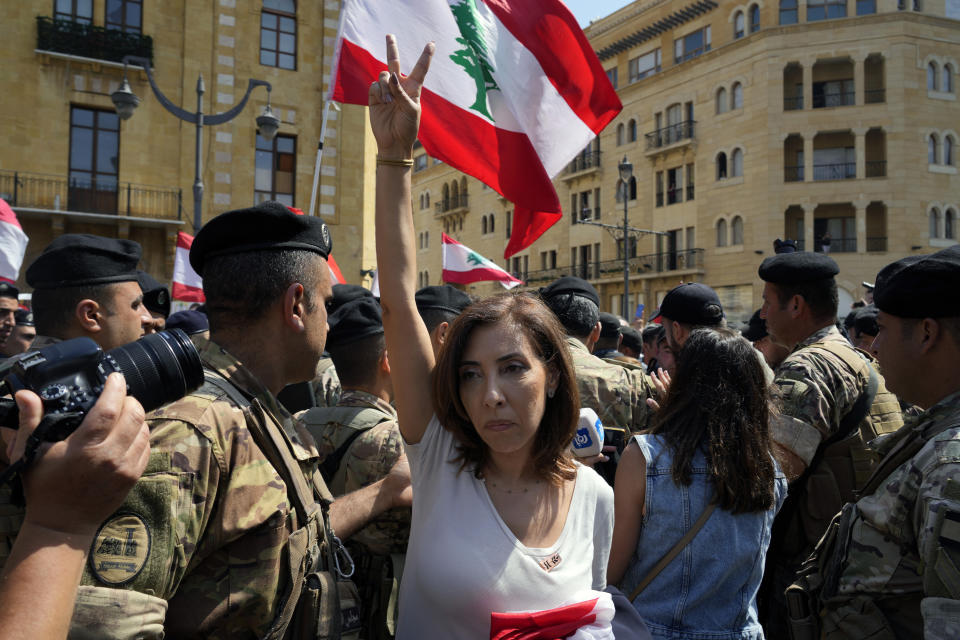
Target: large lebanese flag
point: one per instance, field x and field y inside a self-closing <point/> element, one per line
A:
<point x="187" y="285"/>
<point x="514" y="91"/>
<point x="463" y="265"/>
<point x="13" y="243"/>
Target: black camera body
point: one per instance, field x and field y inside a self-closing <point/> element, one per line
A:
<point x="69" y="376"/>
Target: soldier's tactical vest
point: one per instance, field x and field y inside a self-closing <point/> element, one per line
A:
<point x="377" y="576"/>
<point x="321" y="602"/>
<point x="843" y="462"/>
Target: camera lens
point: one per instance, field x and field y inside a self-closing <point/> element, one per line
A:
<point x="159" y="368"/>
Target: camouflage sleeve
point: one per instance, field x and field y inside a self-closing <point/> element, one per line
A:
<point x="643" y="389"/>
<point x="808" y="409"/>
<point x="938" y="539"/>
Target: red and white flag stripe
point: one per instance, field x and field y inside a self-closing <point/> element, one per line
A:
<point x="187" y="285"/>
<point x="13" y="243"/>
<point x="587" y="616"/>
<point x="543" y="97"/>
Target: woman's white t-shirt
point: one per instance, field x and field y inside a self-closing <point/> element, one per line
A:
<point x="463" y="562"/>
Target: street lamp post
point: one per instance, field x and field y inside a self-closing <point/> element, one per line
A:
<point x="626" y="172"/>
<point x="125" y="102"/>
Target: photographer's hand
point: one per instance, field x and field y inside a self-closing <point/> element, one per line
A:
<point x="71" y="487"/>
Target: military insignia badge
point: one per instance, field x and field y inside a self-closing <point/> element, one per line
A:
<point x="120" y="549"/>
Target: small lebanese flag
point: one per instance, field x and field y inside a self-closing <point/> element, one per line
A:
<point x="13" y="243"/>
<point x="463" y="265"/>
<point x="582" y="619"/>
<point x="187" y="285"/>
<point x="514" y="91"/>
<point x="335" y="276"/>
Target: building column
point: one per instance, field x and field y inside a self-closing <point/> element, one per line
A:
<point x="861" y="207"/>
<point x="808" y="84"/>
<point x="860" y="148"/>
<point x="808" y="210"/>
<point x="859" y="80"/>
<point x="808" y="157"/>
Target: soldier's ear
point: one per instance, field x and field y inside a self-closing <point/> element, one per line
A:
<point x="294" y="307"/>
<point x="384" y="362"/>
<point x="441" y="330"/>
<point x="87" y="314"/>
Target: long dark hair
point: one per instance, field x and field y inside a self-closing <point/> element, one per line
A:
<point x="719" y="402"/>
<point x="523" y="313"/>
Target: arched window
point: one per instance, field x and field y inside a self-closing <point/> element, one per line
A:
<point x="736" y="96"/>
<point x="483" y="225"/>
<point x="445" y="202"/>
<point x="632" y="131"/>
<point x="736" y="229"/>
<point x="426" y="240"/>
<point x="932" y="76"/>
<point x="934" y="222"/>
<point x="428" y="199"/>
<point x="463" y="188"/>
<point x="948" y="150"/>
<point x="949" y="218"/>
<point x="620" y="139"/>
<point x="454" y="195"/>
<point x="932" y="155"/>
<point x="737" y="162"/>
<point x="754" y="18"/>
<point x="421" y="201"/>
<point x="721" y="233"/>
<point x="721" y="166"/>
<point x="633" y="187"/>
<point x="947" y="82"/>
<point x="739" y="28"/>
<point x="721" y="100"/>
<point x="492" y="223"/>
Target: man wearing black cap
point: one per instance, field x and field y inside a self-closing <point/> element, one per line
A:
<point x="22" y="337"/>
<point x="896" y="551"/>
<point x="755" y="330"/>
<point x="687" y="307"/>
<point x="359" y="442"/>
<point x="619" y="396"/>
<point x="865" y="328"/>
<point x="9" y="303"/>
<point x="833" y="402"/>
<point x="231" y="515"/>
<point x="608" y="344"/>
<point x="86" y="285"/>
<point x="438" y="306"/>
<point x="156" y="298"/>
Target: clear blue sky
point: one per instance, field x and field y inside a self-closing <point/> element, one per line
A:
<point x="587" y="10"/>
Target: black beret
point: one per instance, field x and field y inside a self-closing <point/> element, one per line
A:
<point x="354" y="320"/>
<point x="156" y="297"/>
<point x="652" y="332"/>
<point x="269" y="225"/>
<point x="794" y="268"/>
<point x="23" y="318"/>
<point x="609" y="325"/>
<point x="7" y="290"/>
<point x="344" y="293"/>
<point x="79" y="259"/>
<point x="921" y="286"/>
<point x="755" y="328"/>
<point x="570" y="285"/>
<point x="445" y="298"/>
<point x="692" y="303"/>
<point x="784" y="246"/>
<point x="190" y="321"/>
<point x="631" y="338"/>
<point x="866" y="320"/>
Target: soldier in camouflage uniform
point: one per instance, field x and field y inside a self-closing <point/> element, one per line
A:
<point x="218" y="537"/>
<point x="360" y="443"/>
<point x="619" y="396"/>
<point x="888" y="564"/>
<point x="833" y="402"/>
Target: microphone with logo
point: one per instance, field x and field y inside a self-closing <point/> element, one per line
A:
<point x="588" y="440"/>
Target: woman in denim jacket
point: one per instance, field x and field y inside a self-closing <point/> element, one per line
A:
<point x="710" y="442"/>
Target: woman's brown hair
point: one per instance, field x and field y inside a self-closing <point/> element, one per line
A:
<point x="718" y="402"/>
<point x="513" y="312"/>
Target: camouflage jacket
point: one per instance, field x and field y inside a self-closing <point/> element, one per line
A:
<point x="203" y="534"/>
<point x="369" y="458"/>
<point x="326" y="384"/>
<point x="618" y="395"/>
<point x="898" y="569"/>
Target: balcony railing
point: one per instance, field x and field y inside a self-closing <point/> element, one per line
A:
<point x="670" y="134"/>
<point x="793" y="174"/>
<point x="690" y="191"/>
<point x="89" y="41"/>
<point x="874" y="96"/>
<point x="837" y="245"/>
<point x="674" y="195"/>
<point x="839" y="171"/>
<point x="876" y="244"/>
<point x="451" y="204"/>
<point x="876" y="168"/>
<point x="837" y="99"/>
<point x="651" y="263"/>
<point x="792" y="104"/>
<point x="58" y="193"/>
<point x="583" y="162"/>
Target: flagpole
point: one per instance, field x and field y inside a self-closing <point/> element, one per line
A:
<point x="326" y="110"/>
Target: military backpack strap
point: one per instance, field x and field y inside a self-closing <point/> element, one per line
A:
<point x="360" y="421"/>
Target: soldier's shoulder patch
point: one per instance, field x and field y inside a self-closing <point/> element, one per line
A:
<point x="120" y="549"/>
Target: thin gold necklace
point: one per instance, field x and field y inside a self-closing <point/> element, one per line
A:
<point x="493" y="484"/>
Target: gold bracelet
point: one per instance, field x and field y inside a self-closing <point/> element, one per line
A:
<point x="395" y="163"/>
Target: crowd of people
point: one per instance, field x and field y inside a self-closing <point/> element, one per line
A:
<point x="355" y="467"/>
